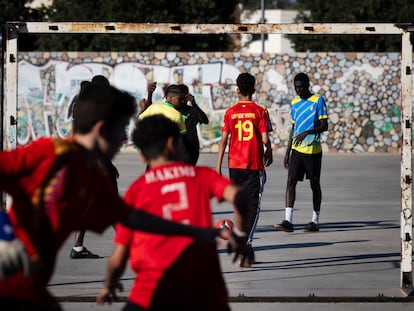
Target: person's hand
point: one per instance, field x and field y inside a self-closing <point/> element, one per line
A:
<point x="286" y="160"/>
<point x="143" y="104"/>
<point x="298" y="139"/>
<point x="268" y="157"/>
<point x="189" y="98"/>
<point x="13" y="259"/>
<point x="238" y="244"/>
<point x="151" y="87"/>
<point x="108" y="294"/>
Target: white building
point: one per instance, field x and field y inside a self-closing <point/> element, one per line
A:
<point x="275" y="43"/>
<point x="37" y="3"/>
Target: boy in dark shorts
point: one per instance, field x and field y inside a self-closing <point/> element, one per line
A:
<point x="309" y="119"/>
<point x="245" y="124"/>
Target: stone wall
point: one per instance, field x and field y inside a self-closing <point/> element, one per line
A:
<point x="361" y="89"/>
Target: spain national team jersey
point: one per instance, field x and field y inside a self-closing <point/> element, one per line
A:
<point x="168" y="111"/>
<point x="306" y="115"/>
<point x="245" y="122"/>
<point x="182" y="193"/>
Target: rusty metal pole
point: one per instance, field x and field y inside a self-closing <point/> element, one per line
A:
<point x="406" y="170"/>
<point x="10" y="92"/>
<point x="9" y="100"/>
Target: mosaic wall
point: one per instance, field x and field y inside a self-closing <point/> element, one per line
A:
<point x="361" y="89"/>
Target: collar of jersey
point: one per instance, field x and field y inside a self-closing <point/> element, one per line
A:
<point x="168" y="104"/>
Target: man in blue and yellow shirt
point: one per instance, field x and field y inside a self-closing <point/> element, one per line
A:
<point x="309" y="119"/>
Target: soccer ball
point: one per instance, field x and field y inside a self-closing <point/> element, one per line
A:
<point x="224" y="223"/>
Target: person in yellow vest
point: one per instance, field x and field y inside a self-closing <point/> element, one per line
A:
<point x="174" y="96"/>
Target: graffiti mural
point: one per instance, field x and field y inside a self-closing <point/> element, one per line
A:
<point x="46" y="93"/>
<point x="362" y="91"/>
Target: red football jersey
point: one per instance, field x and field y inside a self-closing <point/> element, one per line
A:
<point x="79" y="196"/>
<point x="245" y="122"/>
<point x="182" y="193"/>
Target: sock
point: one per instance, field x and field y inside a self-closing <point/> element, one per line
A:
<point x="315" y="217"/>
<point x="78" y="248"/>
<point x="289" y="214"/>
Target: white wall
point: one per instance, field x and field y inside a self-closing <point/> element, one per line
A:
<point x="276" y="43"/>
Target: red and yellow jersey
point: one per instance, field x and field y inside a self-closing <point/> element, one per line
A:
<point x="78" y="195"/>
<point x="245" y="122"/>
<point x="182" y="193"/>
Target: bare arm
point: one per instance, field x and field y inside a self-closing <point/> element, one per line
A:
<point x="201" y="116"/>
<point x="289" y="147"/>
<point x="222" y="148"/>
<point x="323" y="126"/>
<point x="140" y="220"/>
<point x="114" y="270"/>
<point x="145" y="103"/>
<point x="268" y="154"/>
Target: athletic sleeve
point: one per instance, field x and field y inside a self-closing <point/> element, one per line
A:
<point x="322" y="110"/>
<point x="22" y="161"/>
<point x="216" y="182"/>
<point x="226" y="124"/>
<point x="264" y="121"/>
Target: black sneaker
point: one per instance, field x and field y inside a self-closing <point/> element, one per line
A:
<point x="284" y="226"/>
<point x="85" y="253"/>
<point x="311" y="227"/>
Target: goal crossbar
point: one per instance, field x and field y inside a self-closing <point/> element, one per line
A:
<point x="11" y="31"/>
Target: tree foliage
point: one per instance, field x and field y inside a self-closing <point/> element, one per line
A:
<point x="16" y="11"/>
<point x="352" y="11"/>
<point x="139" y="11"/>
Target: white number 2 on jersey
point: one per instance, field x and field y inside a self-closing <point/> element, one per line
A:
<point x="182" y="204"/>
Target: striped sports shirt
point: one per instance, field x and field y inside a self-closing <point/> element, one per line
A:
<point x="306" y="115"/>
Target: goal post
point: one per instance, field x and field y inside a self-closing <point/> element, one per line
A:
<point x="11" y="31"/>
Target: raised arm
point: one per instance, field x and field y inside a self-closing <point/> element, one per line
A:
<point x="201" y="116"/>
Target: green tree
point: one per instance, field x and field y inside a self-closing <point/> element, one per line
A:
<point x="139" y="11"/>
<point x="18" y="10"/>
<point x="352" y="11"/>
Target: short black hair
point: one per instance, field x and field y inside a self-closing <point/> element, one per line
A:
<point x="98" y="100"/>
<point x="151" y="134"/>
<point x="184" y="88"/>
<point x="245" y="83"/>
<point x="173" y="89"/>
<point x="301" y="77"/>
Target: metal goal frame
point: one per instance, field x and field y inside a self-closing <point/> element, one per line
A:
<point x="8" y="120"/>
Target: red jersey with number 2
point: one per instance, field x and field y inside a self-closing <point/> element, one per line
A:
<point x="175" y="269"/>
<point x="245" y="122"/>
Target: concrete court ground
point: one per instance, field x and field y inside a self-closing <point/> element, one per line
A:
<point x="351" y="264"/>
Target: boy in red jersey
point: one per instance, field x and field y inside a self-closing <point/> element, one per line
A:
<point x="172" y="273"/>
<point x="246" y="124"/>
<point x="60" y="186"/>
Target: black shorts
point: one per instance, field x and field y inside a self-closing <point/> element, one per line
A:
<point x="249" y="179"/>
<point x="301" y="164"/>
